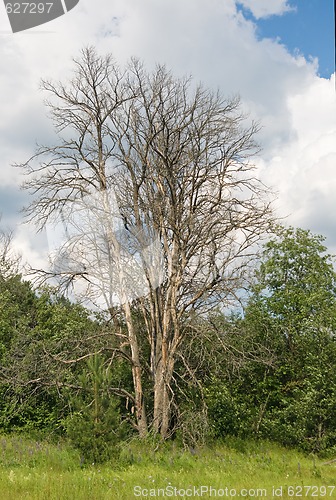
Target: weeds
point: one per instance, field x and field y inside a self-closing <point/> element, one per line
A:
<point x="34" y="470"/>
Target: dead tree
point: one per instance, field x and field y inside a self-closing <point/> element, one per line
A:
<point x="168" y="164"/>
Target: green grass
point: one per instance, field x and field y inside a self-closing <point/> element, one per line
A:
<point x="31" y="470"/>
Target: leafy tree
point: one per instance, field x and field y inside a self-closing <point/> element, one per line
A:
<point x="292" y="310"/>
<point x="33" y="382"/>
<point x="16" y="295"/>
<point x="284" y="388"/>
<point x="37" y="386"/>
<point x="296" y="282"/>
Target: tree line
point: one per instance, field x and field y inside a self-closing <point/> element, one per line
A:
<point x="267" y="371"/>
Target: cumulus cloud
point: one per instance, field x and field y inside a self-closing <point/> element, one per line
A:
<point x="215" y="43"/>
<point x="266" y="8"/>
<point x="304" y="170"/>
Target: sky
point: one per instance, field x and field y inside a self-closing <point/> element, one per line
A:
<point x="278" y="55"/>
<point x="307" y="28"/>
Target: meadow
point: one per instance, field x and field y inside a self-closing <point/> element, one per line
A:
<point x="34" y="470"/>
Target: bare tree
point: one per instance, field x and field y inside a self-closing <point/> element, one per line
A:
<point x="168" y="163"/>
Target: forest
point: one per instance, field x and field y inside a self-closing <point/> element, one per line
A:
<point x="175" y="306"/>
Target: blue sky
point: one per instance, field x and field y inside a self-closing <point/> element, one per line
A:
<point x="259" y="49"/>
<point x="308" y="28"/>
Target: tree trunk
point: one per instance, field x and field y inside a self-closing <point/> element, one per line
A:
<point x="162" y="399"/>
<point x="158" y="399"/>
<point x="140" y="410"/>
<point x="117" y="265"/>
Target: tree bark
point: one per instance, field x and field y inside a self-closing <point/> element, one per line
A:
<point x="140" y="409"/>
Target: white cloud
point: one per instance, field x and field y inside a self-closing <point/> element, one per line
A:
<point x="214" y="42"/>
<point x="266" y="8"/>
<point x="304" y="170"/>
<point x="34" y="251"/>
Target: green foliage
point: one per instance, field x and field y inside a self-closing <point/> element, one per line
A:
<point x="292" y="311"/>
<point x="38" y="392"/>
<point x="296" y="283"/>
<point x="16" y="309"/>
<point x="285" y="389"/>
<point x="95" y="427"/>
<point x="224" y="412"/>
<point x="31" y="326"/>
<point x="269" y="374"/>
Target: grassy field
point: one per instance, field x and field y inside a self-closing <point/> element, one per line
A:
<point x="37" y="470"/>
